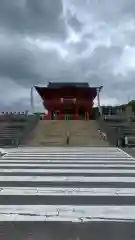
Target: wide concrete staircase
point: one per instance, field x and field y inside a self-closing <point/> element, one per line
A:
<point x="54" y="133"/>
<point x="85" y="133"/>
<point x="48" y="133"/>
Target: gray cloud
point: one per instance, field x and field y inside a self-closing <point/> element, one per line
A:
<point x="107" y="10"/>
<point x="81" y="40"/>
<point x="73" y="21"/>
<point x="42" y="17"/>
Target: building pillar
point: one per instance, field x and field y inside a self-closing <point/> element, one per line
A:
<point x="50" y="115"/>
<point x="76" y="114"/>
<point x="86" y="116"/>
<point x="59" y="115"/>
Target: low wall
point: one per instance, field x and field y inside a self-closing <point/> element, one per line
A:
<point x="113" y="131"/>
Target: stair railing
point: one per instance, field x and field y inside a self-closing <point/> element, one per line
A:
<point x="67" y="137"/>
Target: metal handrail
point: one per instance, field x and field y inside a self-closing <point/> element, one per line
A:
<point x="67" y="137"/>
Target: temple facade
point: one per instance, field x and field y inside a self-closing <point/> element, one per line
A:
<point x="68" y="100"/>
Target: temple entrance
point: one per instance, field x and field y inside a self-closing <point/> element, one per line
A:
<point x="68" y="114"/>
<point x="81" y="114"/>
<point x="55" y="115"/>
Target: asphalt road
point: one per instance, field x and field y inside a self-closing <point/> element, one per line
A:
<point x="67" y="231"/>
<point x="130" y="151"/>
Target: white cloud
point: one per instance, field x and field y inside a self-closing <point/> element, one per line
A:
<point x="126" y="62"/>
<point x="47" y="45"/>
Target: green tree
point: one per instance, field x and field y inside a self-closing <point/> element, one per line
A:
<point x="132" y="104"/>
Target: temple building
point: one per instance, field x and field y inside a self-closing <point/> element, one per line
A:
<point x="71" y="101"/>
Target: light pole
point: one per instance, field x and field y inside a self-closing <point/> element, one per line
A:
<point x="98" y="99"/>
<point x="32" y="100"/>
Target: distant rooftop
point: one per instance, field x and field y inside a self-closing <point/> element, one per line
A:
<point x="67" y="84"/>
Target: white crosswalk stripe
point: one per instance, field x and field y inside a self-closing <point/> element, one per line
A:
<point x="67" y="184"/>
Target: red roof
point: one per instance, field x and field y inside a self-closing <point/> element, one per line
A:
<point x="67" y="90"/>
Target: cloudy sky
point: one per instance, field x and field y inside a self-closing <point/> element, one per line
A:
<point x="66" y="40"/>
